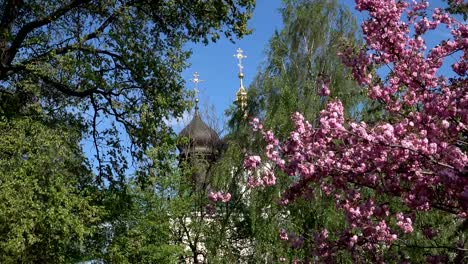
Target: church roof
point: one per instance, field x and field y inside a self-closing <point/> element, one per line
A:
<point x="200" y="134"/>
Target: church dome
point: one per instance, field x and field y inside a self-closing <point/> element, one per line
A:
<point x="202" y="138"/>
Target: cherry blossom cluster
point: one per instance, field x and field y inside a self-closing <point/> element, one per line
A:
<point x="283" y="235"/>
<point x="404" y="223"/>
<point x="456" y="2"/>
<point x="263" y="176"/>
<point x="252" y="162"/>
<point x="266" y="178"/>
<point x="324" y="86"/>
<point x="416" y="155"/>
<point x="296" y="241"/>
<point x="219" y="196"/>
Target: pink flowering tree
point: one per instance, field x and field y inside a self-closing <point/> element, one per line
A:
<point x="416" y="156"/>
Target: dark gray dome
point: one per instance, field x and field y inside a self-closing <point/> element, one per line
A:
<point x="201" y="137"/>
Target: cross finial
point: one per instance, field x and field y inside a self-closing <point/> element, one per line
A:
<point x="196" y="80"/>
<point x="240" y="56"/>
<point x="241" y="96"/>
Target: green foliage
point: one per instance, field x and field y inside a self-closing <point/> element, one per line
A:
<point x="46" y="209"/>
<point x="113" y="65"/>
<point x="106" y="72"/>
<point x="157" y="220"/>
<point x="302" y="54"/>
<point x="459" y="9"/>
<point x="142" y="233"/>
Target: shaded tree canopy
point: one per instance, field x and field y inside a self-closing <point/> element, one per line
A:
<point x="118" y="60"/>
<point x="47" y="209"/>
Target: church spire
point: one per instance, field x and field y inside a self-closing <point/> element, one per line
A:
<point x="196" y="80"/>
<point x="203" y="139"/>
<point x="203" y="143"/>
<point x="241" y="95"/>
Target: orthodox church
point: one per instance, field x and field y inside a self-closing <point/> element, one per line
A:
<point x="200" y="147"/>
<point x="204" y="145"/>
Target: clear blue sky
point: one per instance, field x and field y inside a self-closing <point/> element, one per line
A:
<point x="217" y="66"/>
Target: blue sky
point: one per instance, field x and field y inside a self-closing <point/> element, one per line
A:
<point x="217" y="66"/>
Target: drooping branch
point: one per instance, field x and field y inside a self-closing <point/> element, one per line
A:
<point x="95" y="139"/>
<point x="71" y="48"/>
<point x="64" y="88"/>
<point x="10" y="11"/>
<point x="78" y="46"/>
<point x="31" y="26"/>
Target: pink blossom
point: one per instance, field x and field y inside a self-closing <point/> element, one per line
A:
<point x="226" y="198"/>
<point x="269" y="178"/>
<point x="219" y="196"/>
<point x="405" y="223"/>
<point x="445" y="124"/>
<point x="283" y="235"/>
<point x="324" y="88"/>
<point x="256" y="125"/>
<point x="252" y="162"/>
<point x="213" y="196"/>
<point x="352" y="241"/>
<point x="413" y="156"/>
